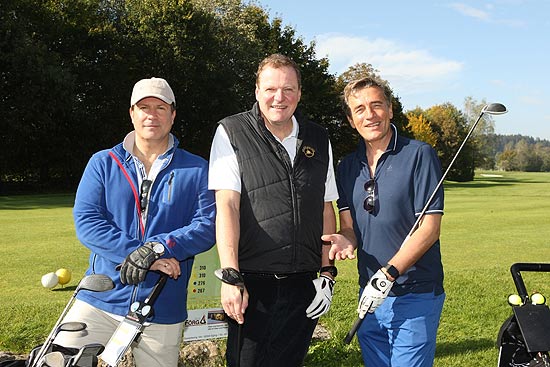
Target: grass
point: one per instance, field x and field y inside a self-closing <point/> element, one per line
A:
<point x="489" y="224"/>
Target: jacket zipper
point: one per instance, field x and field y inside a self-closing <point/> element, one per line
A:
<point x="290" y="171"/>
<point x="170" y="185"/>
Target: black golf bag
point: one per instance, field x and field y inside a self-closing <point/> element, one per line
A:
<point x="53" y="355"/>
<point x="524" y="338"/>
<point x="72" y="357"/>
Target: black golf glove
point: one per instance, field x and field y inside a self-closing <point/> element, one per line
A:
<point x="135" y="266"/>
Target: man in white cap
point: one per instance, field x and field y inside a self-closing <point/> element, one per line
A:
<point x="143" y="205"/>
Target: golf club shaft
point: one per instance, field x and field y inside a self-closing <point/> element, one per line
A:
<point x="359" y="320"/>
<point x="52" y="335"/>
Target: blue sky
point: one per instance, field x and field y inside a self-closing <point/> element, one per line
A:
<point x="437" y="51"/>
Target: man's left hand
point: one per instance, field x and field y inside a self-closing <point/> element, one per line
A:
<point x="321" y="303"/>
<point x="374" y="294"/>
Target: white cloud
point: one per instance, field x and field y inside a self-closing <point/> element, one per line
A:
<point x="532" y="100"/>
<point x="404" y="67"/>
<point x="486" y="16"/>
<point x="470" y="11"/>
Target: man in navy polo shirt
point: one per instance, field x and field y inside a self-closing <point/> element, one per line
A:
<point x="383" y="187"/>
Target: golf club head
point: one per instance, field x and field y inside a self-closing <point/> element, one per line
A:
<point x="494" y="109"/>
<point x="71" y="326"/>
<point x="86" y="355"/>
<point x="230" y="276"/>
<point x="52" y="359"/>
<point x="96" y="283"/>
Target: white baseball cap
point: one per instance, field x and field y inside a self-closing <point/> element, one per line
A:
<point x="154" y="87"/>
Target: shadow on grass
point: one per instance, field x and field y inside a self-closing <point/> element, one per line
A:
<point x="459" y="347"/>
<point x="70" y="288"/>
<point x="449" y="185"/>
<point x="28" y="202"/>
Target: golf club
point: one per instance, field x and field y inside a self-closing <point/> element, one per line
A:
<point x="130" y="328"/>
<point x="233" y="277"/>
<point x="71" y="326"/>
<point x="94" y="283"/>
<point x="52" y="359"/>
<point x="86" y="356"/>
<point x="490" y="109"/>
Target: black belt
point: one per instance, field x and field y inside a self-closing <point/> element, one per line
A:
<point x="280" y="276"/>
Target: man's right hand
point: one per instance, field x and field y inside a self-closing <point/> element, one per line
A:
<point x="234" y="301"/>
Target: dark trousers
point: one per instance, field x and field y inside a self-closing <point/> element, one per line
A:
<point x="276" y="330"/>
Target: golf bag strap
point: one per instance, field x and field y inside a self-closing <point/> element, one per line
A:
<point x="134" y="190"/>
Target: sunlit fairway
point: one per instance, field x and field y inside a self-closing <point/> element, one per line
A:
<point x="490" y="223"/>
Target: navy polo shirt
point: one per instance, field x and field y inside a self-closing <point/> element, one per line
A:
<point x="405" y="178"/>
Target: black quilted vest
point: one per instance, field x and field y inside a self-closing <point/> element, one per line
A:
<point x="281" y="208"/>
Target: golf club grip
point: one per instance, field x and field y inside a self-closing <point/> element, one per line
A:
<point x="353" y="330"/>
<point x="156" y="290"/>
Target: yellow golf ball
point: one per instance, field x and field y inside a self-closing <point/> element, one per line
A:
<point x="538" y="299"/>
<point x="514" y="300"/>
<point x="64" y="276"/>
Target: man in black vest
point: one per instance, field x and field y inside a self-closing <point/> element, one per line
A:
<point x="274" y="180"/>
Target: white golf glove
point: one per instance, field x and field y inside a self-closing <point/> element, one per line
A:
<point x="374" y="294"/>
<point x="321" y="303"/>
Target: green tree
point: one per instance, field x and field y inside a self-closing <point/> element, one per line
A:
<point x="483" y="138"/>
<point x="507" y="160"/>
<point x="421" y="128"/>
<point x="37" y="90"/>
<point x="526" y="157"/>
<point x="348" y="137"/>
<point x="449" y="124"/>
<point x="77" y="65"/>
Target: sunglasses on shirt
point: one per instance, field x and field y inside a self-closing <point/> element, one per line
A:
<point x="144" y="193"/>
<point x="368" y="204"/>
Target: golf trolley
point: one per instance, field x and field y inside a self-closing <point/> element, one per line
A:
<point x="524" y="338"/>
<point x="53" y="355"/>
<point x="130" y="328"/>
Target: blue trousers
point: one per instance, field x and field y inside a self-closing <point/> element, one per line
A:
<point x="276" y="331"/>
<point x="402" y="331"/>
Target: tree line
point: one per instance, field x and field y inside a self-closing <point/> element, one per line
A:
<point x="68" y="68"/>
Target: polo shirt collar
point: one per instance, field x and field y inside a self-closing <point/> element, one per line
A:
<point x="392" y="146"/>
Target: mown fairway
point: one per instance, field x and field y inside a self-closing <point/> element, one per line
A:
<point x="488" y="225"/>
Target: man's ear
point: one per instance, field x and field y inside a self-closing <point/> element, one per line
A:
<point x="350" y="120"/>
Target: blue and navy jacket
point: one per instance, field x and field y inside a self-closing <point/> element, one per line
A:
<point x="180" y="215"/>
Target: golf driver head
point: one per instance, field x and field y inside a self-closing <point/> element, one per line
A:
<point x="494" y="109"/>
<point x="96" y="283"/>
<point x="230" y="276"/>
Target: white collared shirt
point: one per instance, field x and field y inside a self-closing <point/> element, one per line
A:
<point x="224" y="173"/>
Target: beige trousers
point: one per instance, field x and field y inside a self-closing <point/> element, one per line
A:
<point x="158" y="345"/>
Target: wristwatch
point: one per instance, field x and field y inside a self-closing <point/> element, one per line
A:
<point x="329" y="269"/>
<point x="392" y="271"/>
<point x="158" y="249"/>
